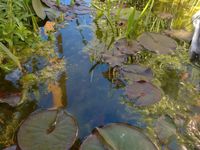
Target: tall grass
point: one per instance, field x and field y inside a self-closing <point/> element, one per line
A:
<point x="16" y="24"/>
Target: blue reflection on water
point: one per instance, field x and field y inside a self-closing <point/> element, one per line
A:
<point x="90" y="98"/>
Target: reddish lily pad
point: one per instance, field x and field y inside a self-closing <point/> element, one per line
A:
<point x="143" y="93"/>
<point x="81" y="10"/>
<point x="137" y="73"/>
<point x="165" y="15"/>
<point x="48" y="130"/>
<point x="128" y="47"/>
<point x="117" y="136"/>
<point x="158" y="43"/>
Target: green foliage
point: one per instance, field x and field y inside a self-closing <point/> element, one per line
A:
<point x="15" y="28"/>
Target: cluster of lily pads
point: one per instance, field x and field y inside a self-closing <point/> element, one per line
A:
<point x="57" y="129"/>
<point x="137" y="78"/>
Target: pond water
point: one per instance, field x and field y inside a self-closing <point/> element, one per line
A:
<point x="95" y="95"/>
<point x="94" y="100"/>
<point x="90" y="97"/>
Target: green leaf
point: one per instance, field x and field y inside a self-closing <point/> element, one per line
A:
<point x="39" y="9"/>
<point x="117" y="136"/>
<point x="48" y="130"/>
<point x="13" y="57"/>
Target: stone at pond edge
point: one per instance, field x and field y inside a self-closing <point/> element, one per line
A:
<point x="48" y="130"/>
<point x="158" y="43"/>
<point x="179" y="34"/>
<point x="114" y="58"/>
<point x="117" y="136"/>
<point x="128" y="47"/>
<point x="143" y="93"/>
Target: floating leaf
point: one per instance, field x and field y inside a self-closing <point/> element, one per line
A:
<point x="137" y="73"/>
<point x="39" y="9"/>
<point x="48" y="130"/>
<point x="128" y="47"/>
<point x="158" y="43"/>
<point x="165" y="128"/>
<point x="137" y="69"/>
<point x="117" y="136"/>
<point x="114" y="58"/>
<point x="52" y="14"/>
<point x="143" y="93"/>
<point x="165" y="15"/>
<point x="12" y="99"/>
<point x="180" y="34"/>
<point x="53" y="5"/>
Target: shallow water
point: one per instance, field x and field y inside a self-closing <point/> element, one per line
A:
<point x="90" y="97"/>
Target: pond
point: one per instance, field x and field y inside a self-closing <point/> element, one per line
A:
<point x="157" y="93"/>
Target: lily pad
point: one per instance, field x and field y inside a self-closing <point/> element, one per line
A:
<point x="158" y="43"/>
<point x="180" y="34"/>
<point x="128" y="47"/>
<point x="165" y="128"/>
<point x="117" y="136"/>
<point x="114" y="58"/>
<point x="143" y="93"/>
<point x="48" y="130"/>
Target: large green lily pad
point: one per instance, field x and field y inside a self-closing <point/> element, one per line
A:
<point x="48" y="130"/>
<point x="143" y="93"/>
<point x="180" y="34"/>
<point x="158" y="43"/>
<point x="117" y="136"/>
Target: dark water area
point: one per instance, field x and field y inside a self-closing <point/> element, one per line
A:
<point x="90" y="97"/>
